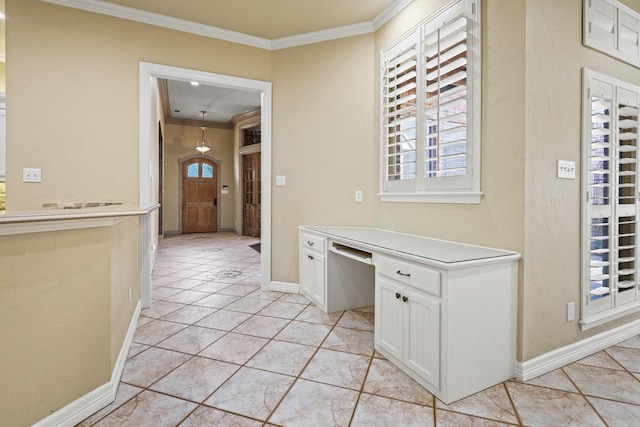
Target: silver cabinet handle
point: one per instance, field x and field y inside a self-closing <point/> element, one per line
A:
<point x="403" y="274"/>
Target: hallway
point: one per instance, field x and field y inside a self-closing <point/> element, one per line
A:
<point x="215" y="350"/>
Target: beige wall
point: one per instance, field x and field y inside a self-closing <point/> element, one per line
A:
<point x="86" y="104"/>
<point x="498" y="220"/>
<point x="64" y="311"/>
<point x="179" y="143"/>
<point x="3" y="69"/>
<point x="325" y="134"/>
<point x="125" y="281"/>
<point x="323" y="142"/>
<point x="554" y="60"/>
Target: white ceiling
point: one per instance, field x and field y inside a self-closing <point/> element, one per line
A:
<point x="219" y="103"/>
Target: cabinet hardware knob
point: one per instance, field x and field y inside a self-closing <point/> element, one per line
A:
<point x="309" y="256"/>
<point x="403" y="274"/>
<point x="309" y="242"/>
<point x="404" y="299"/>
<point x="398" y="295"/>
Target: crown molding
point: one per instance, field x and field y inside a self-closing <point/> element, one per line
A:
<point x="245" y="116"/>
<point x="197" y="123"/>
<point x="322" y="35"/>
<point x="144" y="17"/>
<point x="386" y="15"/>
<point x="137" y="15"/>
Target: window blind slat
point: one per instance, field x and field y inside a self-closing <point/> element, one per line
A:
<point x="457" y="50"/>
<point x="460" y="63"/>
<point x="460" y="76"/>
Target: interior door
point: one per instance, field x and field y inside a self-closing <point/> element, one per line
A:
<point x="251" y="194"/>
<point x="199" y="196"/>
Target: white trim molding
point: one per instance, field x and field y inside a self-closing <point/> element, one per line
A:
<point x="144" y="17"/>
<point x="147" y="72"/>
<point x="292" y="288"/>
<point x="562" y="356"/>
<point x="100" y="397"/>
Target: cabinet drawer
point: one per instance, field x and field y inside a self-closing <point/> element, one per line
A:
<point x="416" y="275"/>
<point x="312" y="242"/>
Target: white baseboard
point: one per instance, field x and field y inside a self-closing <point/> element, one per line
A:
<point x="562" y="356"/>
<point x="284" y="287"/>
<point x="98" y="398"/>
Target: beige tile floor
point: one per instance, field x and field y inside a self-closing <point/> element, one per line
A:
<point x="214" y="350"/>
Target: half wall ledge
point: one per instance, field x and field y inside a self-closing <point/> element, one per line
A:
<point x="86" y="216"/>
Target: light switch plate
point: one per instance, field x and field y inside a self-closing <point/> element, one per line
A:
<point x="566" y="169"/>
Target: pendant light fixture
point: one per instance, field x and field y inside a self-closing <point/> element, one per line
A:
<point x="204" y="144"/>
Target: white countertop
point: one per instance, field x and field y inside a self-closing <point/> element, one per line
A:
<point x="95" y="215"/>
<point x="439" y="251"/>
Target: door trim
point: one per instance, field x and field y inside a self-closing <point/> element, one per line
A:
<point x="147" y="72"/>
<point x="218" y="189"/>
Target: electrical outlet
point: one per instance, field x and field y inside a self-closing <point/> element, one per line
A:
<point x="571" y="311"/>
<point x="358" y="196"/>
<point x="31" y="175"/>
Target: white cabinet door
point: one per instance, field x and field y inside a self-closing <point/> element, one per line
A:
<point x="422" y="335"/>
<point x="389" y="317"/>
<point x="312" y="275"/>
<point x="407" y="327"/>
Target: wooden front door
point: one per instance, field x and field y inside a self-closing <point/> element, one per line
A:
<point x="199" y="196"/>
<point x="251" y="194"/>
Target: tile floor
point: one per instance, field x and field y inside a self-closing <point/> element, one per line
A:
<point x="214" y="350"/>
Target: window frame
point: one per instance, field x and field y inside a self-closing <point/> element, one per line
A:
<point x="449" y="189"/>
<point x="623" y="20"/>
<point x="611" y="305"/>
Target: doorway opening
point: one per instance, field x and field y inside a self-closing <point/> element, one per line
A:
<point x="148" y="73"/>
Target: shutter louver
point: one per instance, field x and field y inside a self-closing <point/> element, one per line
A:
<point x="627" y="257"/>
<point x="599" y="188"/>
<point x="628" y="29"/>
<point x="602" y="23"/>
<point x="400" y="114"/>
<point x="445" y="86"/>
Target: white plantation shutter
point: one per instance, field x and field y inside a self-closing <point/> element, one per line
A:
<point x="399" y="114"/>
<point x="612" y="28"/>
<point x="628" y="32"/>
<point x="430" y="118"/>
<point x="445" y="115"/>
<point x="602" y="22"/>
<point x="610" y="211"/>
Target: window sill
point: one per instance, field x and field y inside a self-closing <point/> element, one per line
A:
<point x="467" y="197"/>
<point x="609" y="315"/>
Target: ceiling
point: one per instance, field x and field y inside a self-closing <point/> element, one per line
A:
<point x="270" y="19"/>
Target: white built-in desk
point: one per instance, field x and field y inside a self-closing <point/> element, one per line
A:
<point x="445" y="312"/>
